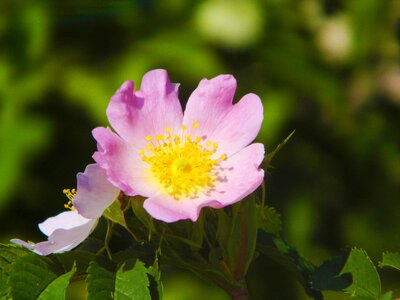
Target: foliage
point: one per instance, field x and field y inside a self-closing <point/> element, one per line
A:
<point x="328" y="69"/>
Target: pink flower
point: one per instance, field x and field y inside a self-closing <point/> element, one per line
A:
<point x="70" y="228"/>
<point x="182" y="162"/>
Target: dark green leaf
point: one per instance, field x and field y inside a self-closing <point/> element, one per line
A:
<point x="29" y="276"/>
<point x="100" y="282"/>
<point x="276" y="249"/>
<point x="8" y="254"/>
<point x="154" y="271"/>
<point x="79" y="258"/>
<point x="326" y="276"/>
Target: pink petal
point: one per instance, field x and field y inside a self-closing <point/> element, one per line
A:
<point x="149" y="111"/>
<point x="209" y="103"/>
<point x="64" y="233"/>
<point x="232" y="126"/>
<point x="123" y="165"/>
<point x="240" y="175"/>
<point x="165" y="208"/>
<point x="94" y="192"/>
<point x="240" y="126"/>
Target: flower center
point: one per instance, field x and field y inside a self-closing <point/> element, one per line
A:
<point x="183" y="164"/>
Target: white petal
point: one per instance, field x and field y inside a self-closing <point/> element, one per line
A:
<point x="64" y="220"/>
<point x="64" y="235"/>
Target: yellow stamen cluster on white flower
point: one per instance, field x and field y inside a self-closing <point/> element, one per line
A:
<point x="70" y="195"/>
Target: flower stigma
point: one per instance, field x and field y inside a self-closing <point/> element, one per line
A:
<point x="183" y="163"/>
<point x="70" y="193"/>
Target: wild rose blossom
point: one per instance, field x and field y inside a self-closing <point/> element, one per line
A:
<point x="182" y="162"/>
<point x="70" y="228"/>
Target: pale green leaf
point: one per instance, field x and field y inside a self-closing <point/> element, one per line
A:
<point x="390" y="260"/>
<point x="387" y="296"/>
<point x="115" y="214"/>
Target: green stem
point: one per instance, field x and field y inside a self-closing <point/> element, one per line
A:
<point x="110" y="226"/>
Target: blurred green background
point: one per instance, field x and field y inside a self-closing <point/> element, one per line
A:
<point x="329" y="69"/>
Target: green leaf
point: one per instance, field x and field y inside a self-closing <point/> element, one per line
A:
<point x="132" y="284"/>
<point x="269" y="220"/>
<point x="79" y="258"/>
<point x="142" y="214"/>
<point x="267" y="160"/>
<point x="391" y="260"/>
<point x="366" y="281"/>
<point x="387" y="296"/>
<point x="8" y="254"/>
<point x="56" y="289"/>
<point x="154" y="271"/>
<point x="100" y="282"/>
<point x="276" y="249"/>
<point x="29" y="276"/>
<point x="129" y="282"/>
<point x="115" y="214"/>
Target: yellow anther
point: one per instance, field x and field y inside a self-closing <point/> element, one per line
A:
<point x="223" y="157"/>
<point x="141" y="151"/>
<point x="148" y="138"/>
<point x="181" y="163"/>
<point x="70" y="195"/>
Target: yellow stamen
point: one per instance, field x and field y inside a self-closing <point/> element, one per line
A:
<point x="70" y="195"/>
<point x="183" y="165"/>
<point x="195" y="124"/>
